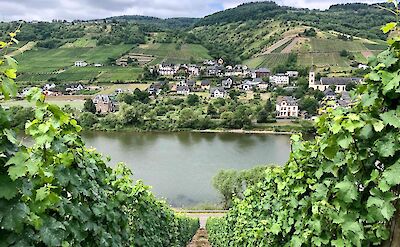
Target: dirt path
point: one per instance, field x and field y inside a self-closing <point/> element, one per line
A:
<point x="367" y="54"/>
<point x="277" y="45"/>
<point x="289" y="48"/>
<point x="28" y="46"/>
<point x="200" y="239"/>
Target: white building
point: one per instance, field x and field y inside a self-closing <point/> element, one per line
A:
<point x="218" y="92"/>
<point x="80" y="64"/>
<point x="48" y="86"/>
<point x="228" y="83"/>
<point x="194" y="70"/>
<point x="279" y="79"/>
<point x="287" y="107"/>
<point x="167" y="69"/>
<point x="292" y="74"/>
<point x="183" y="90"/>
<point x="324" y="83"/>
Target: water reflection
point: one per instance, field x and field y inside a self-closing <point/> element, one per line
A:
<point x="180" y="166"/>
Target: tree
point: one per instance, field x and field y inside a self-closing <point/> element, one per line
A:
<point x="351" y="86"/>
<point x="212" y="111"/>
<point x="262" y="116"/>
<point x="309" y="104"/>
<point x="234" y="94"/>
<point x="89" y="106"/>
<point x="192" y="99"/>
<point x="88" y="119"/>
<point x="141" y="96"/>
<point x="227" y="183"/>
<point x="344" y="53"/>
<point x="187" y="118"/>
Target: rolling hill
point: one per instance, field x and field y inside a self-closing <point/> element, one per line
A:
<point x="260" y="34"/>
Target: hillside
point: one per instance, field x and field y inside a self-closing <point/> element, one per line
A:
<point x="260" y="34"/>
<point x="249" y="29"/>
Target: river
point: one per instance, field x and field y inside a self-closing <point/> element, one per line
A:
<point x="180" y="165"/>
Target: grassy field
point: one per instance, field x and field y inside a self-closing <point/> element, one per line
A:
<point x="78" y="104"/>
<point x="113" y="74"/>
<point x="359" y="57"/>
<point x="271" y="60"/>
<point x="170" y="54"/>
<point x="81" y="42"/>
<point x="85" y="74"/>
<point x="376" y="47"/>
<point x="332" y="45"/>
<point x="49" y="60"/>
<point x="322" y="59"/>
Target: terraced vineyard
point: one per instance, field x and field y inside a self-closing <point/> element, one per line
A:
<point x="49" y="60"/>
<point x="271" y="60"/>
<point x="174" y="53"/>
<point x="335" y="45"/>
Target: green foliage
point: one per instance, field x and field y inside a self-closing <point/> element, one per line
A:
<point x="56" y="192"/>
<point x="89" y="106"/>
<point x="340" y="189"/>
<point x="232" y="183"/>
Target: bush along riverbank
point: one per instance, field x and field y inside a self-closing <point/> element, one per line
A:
<point x="132" y="118"/>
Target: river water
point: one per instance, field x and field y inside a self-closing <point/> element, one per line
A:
<point x="180" y="165"/>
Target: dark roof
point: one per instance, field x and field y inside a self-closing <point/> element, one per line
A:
<point x="205" y="83"/>
<point x="338" y="80"/>
<point x="263" y="70"/>
<point x="221" y="89"/>
<point x="329" y="92"/>
<point x="182" y="88"/>
<point x="291" y="101"/>
<point x="191" y="82"/>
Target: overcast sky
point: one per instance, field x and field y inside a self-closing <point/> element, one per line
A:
<point x="91" y="9"/>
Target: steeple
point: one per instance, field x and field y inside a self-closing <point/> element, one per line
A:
<point x="311" y="77"/>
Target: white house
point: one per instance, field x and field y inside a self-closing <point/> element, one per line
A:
<point x="80" y="64"/>
<point x="218" y="92"/>
<point x="182" y="90"/>
<point x="287" y="107"/>
<point x="279" y="79"/>
<point x="263" y="85"/>
<point x="73" y="87"/>
<point x="193" y="70"/>
<point x="324" y="83"/>
<point x="48" y="86"/>
<point x="292" y="74"/>
<point x="227" y="84"/>
<point x="363" y="66"/>
<point x="167" y="69"/>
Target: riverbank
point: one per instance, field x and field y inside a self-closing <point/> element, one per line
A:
<point x="241" y="131"/>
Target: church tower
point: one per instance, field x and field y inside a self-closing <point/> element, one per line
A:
<point x="311" y="78"/>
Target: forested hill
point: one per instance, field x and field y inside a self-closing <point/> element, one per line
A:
<point x="170" y="23"/>
<point x="353" y="19"/>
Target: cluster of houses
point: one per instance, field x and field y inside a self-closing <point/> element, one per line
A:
<point x="211" y="68"/>
<point x="335" y="95"/>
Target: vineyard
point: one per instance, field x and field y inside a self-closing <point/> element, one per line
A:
<point x="339" y="189"/>
<point x="56" y="192"/>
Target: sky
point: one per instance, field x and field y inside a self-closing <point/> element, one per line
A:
<point x="46" y="10"/>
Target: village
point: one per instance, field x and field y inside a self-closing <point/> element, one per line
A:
<point x="214" y="80"/>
